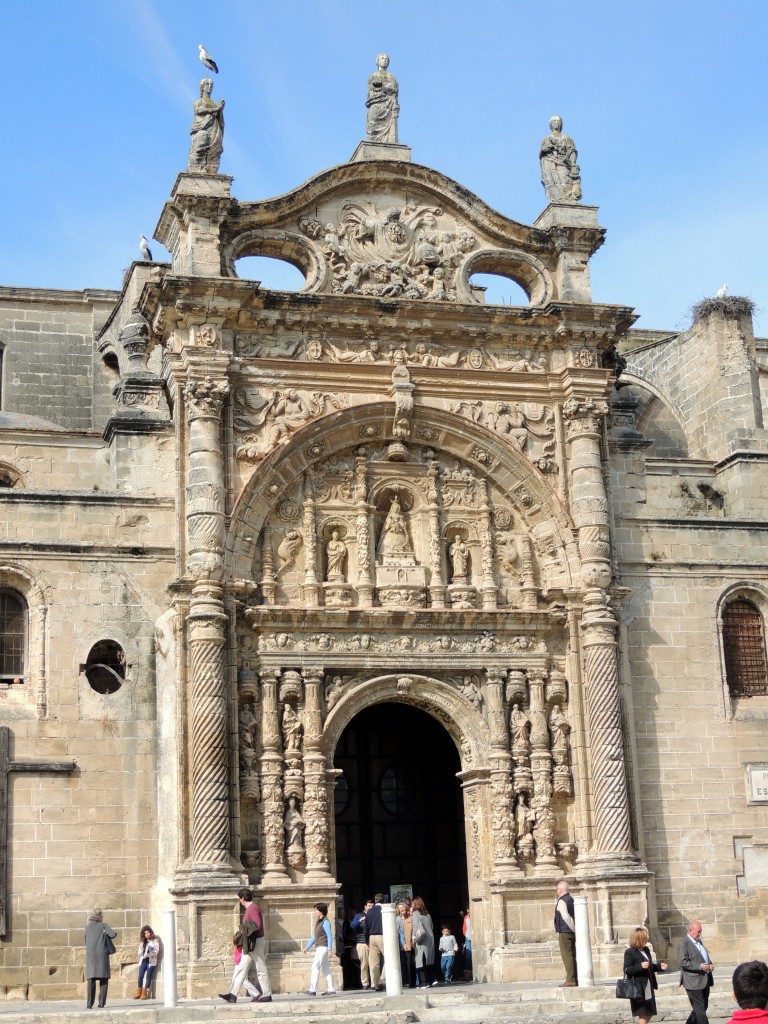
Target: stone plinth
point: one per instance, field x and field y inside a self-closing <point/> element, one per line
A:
<point x="380" y="151"/>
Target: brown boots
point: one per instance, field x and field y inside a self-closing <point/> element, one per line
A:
<point x="141" y="993"/>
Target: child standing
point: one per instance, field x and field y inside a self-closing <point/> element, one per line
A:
<point x="149" y="948"/>
<point x="237" y="956"/>
<point x="322" y="940"/>
<point x="448" y="950"/>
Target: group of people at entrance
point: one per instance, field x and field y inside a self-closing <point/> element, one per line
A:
<point x="99" y="947"/>
<point x="416" y="940"/>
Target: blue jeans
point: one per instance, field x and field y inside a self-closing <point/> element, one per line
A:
<point x="146" y="970"/>
<point x="446" y="966"/>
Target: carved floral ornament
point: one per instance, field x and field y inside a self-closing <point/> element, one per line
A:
<point x="205" y="396"/>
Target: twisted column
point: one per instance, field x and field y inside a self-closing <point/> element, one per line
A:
<point x="315" y="778"/>
<point x="541" y="766"/>
<point x="207" y="620"/>
<point x="612" y="832"/>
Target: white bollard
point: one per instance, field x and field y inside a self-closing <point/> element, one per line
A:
<point x="170" y="992"/>
<point x="584" y="970"/>
<point x="392" y="976"/>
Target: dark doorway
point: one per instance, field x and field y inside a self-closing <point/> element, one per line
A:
<point x="399" y="811"/>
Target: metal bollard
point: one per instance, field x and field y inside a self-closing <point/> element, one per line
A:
<point x="170" y="989"/>
<point x="584" y="970"/>
<point x="393" y="976"/>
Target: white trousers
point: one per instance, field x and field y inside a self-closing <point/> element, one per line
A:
<point x="320" y="965"/>
<point x="250" y="988"/>
<point x="255" y="958"/>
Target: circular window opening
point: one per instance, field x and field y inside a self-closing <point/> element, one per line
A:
<point x="397" y="789"/>
<point x="341" y="795"/>
<point x="105" y="667"/>
<point x="277" y="275"/>
<point x="497" y="290"/>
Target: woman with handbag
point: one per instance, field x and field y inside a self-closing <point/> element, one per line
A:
<point x="639" y="965"/>
<point x="98" y="949"/>
<point x="423" y="943"/>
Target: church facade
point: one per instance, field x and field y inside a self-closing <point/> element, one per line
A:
<point x="235" y="520"/>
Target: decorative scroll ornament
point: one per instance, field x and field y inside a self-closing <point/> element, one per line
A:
<point x="401" y="252"/>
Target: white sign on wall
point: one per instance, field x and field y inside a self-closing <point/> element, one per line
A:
<point x="757" y="782"/>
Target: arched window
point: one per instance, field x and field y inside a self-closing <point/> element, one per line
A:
<point x="13" y="636"/>
<point x="746" y="668"/>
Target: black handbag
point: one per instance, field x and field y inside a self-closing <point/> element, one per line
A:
<point x="629" y="988"/>
<point x="108" y="943"/>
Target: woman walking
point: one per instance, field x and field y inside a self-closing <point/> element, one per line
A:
<point x="638" y="964"/>
<point x="98" y="949"/>
<point x="423" y="943"/>
<point x="149" y="949"/>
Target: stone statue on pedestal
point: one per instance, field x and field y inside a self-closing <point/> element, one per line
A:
<point x="383" y="108"/>
<point x="207" y="132"/>
<point x="560" y="173"/>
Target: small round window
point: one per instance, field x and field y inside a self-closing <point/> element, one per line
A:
<point x="397" y="789"/>
<point x="105" y="667"/>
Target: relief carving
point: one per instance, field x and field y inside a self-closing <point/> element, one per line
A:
<point x="528" y="428"/>
<point x="277" y="418"/>
<point x="397" y="252"/>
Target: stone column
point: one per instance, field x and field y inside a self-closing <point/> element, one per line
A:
<point x="362" y="530"/>
<point x="204" y="393"/>
<point x="612" y="833"/>
<point x="42" y="673"/>
<point x="311" y="587"/>
<point x="489" y="588"/>
<point x="316" y="780"/>
<point x="501" y="793"/>
<point x="541" y="769"/>
<point x="584" y="970"/>
<point x="437" y="581"/>
<point x="392" y="975"/>
<point x="272" y="843"/>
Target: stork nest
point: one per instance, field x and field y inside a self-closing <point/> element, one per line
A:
<point x="731" y="305"/>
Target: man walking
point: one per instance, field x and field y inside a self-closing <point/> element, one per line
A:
<point x="565" y="926"/>
<point x="375" y="940"/>
<point x="696" y="969"/>
<point x="252" y="927"/>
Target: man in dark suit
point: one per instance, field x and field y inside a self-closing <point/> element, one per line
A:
<point x="696" y="969"/>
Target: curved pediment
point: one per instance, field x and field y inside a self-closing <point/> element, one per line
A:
<point x="390" y="229"/>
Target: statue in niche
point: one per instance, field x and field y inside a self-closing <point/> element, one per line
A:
<point x="336" y="552"/>
<point x="394" y="540"/>
<point x="294" y="828"/>
<point x="288" y="549"/>
<point x="560" y="173"/>
<point x="383" y="108"/>
<point x="559" y="727"/>
<point x="207" y="132"/>
<point x="292" y="730"/>
<point x="520" y="725"/>
<point x="459" y="553"/>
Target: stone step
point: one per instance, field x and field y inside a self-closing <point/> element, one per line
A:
<point x="522" y="1003"/>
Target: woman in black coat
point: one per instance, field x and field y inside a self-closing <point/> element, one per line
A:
<point x="97" y="954"/>
<point x="638" y="963"/>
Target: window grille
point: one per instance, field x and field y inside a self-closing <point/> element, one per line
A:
<point x="13" y="636"/>
<point x="746" y="668"/>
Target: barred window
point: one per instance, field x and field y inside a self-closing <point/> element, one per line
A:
<point x="746" y="668"/>
<point x="13" y="636"/>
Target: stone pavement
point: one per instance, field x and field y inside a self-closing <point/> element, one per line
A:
<point x="515" y="1003"/>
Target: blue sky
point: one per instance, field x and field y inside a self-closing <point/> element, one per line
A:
<point x="664" y="101"/>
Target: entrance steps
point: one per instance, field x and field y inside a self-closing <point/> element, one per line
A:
<point x="515" y="1003"/>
